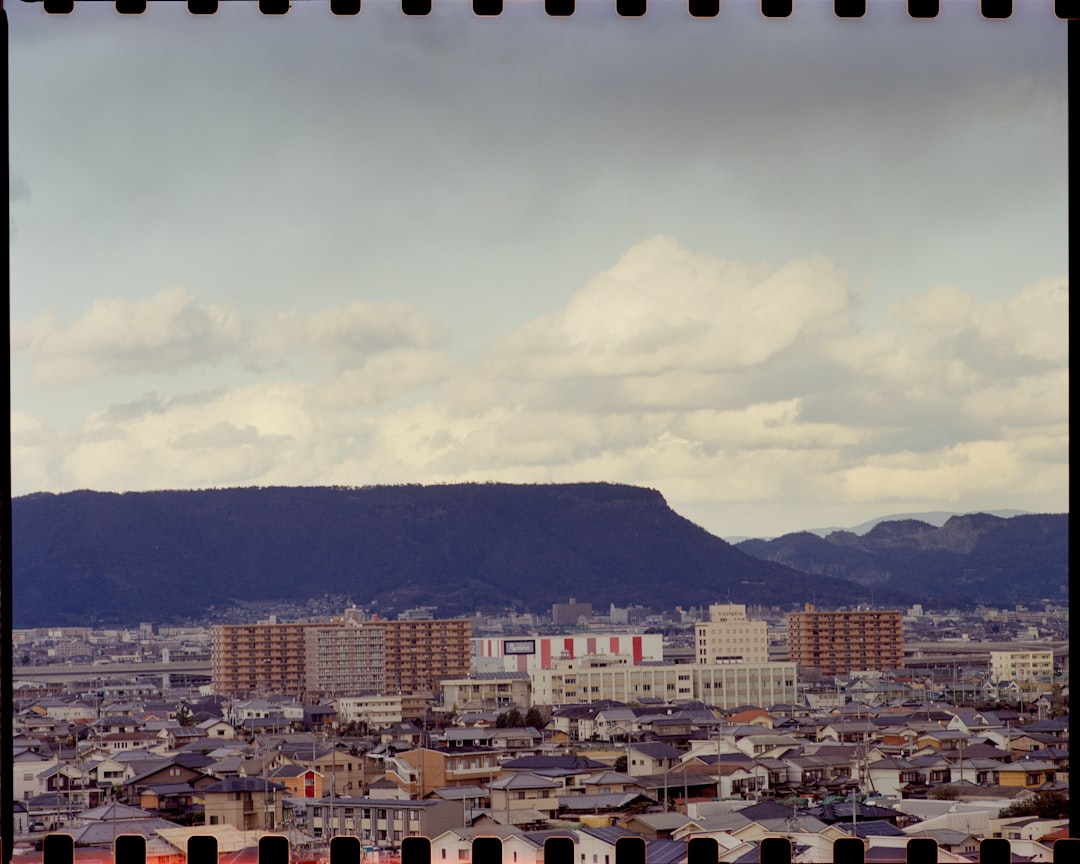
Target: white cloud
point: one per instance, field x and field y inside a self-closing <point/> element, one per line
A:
<point x="719" y="383"/>
<point x="663" y="307"/>
<point x="162" y="333"/>
<point x="1033" y="323"/>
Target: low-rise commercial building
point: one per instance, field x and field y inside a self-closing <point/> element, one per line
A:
<point x="577" y="682"/>
<point x="487" y="691"/>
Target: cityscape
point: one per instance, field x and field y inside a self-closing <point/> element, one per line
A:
<point x="726" y="723"/>
<point x="466" y="432"/>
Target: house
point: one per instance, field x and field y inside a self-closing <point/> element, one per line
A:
<point x="607" y="782"/>
<point x="617" y="723"/>
<point x="512" y="741"/>
<point x="247" y="803"/>
<point x="893" y="777"/>
<point x="765" y="743"/>
<point x="174" y="800"/>
<point x="299" y="781"/>
<point x="27" y="765"/>
<point x="423" y="770"/>
<point x="597" y="845"/>
<point x="105" y="773"/>
<point x="500" y="843"/>
<point x="578" y="722"/>
<point x="216" y="728"/>
<point x="523" y="798"/>
<point x="377" y="822"/>
<point x="69" y="783"/>
<point x="655" y="826"/>
<point x="1029" y="773"/>
<point x="164" y="771"/>
<point x="753" y="717"/>
<point x="176" y="737"/>
<point x="651" y="757"/>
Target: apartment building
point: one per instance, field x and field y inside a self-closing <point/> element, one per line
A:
<point x="376" y="710"/>
<point x="345" y="656"/>
<point x="838" y="642"/>
<point x="725" y="685"/>
<point x="728" y="636"/>
<point x="378" y="821"/>
<point x="488" y="691"/>
<point x="1024" y="667"/>
<point x="344" y="659"/>
<point x="421" y="653"/>
<point x="259" y="659"/>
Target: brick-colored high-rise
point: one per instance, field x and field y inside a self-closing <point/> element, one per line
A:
<point x="420" y="653"/>
<point x="342" y="657"/>
<point x="259" y="659"/>
<point x="839" y="642"/>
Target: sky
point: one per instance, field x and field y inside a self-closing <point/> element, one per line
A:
<point x="790" y="273"/>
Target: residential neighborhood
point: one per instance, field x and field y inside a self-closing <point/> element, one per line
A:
<point x="708" y="747"/>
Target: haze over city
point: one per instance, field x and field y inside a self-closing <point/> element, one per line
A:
<point x="789" y="273"/>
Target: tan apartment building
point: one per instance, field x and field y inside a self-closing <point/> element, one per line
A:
<point x="1027" y="668"/>
<point x="837" y="643"/>
<point x="487" y="691"/>
<point x="728" y="636"/>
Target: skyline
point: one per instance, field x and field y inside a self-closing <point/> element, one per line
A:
<point x="792" y="274"/>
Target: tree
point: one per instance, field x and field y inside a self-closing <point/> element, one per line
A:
<point x="184" y="715"/>
<point x="535" y="717"/>
<point x="1045" y="805"/>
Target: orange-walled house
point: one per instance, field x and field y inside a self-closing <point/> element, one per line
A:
<point x="300" y="781"/>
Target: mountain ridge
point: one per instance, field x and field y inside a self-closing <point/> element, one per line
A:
<point x="969" y="559"/>
<point x="125" y="557"/>
<point x="103" y="557"/>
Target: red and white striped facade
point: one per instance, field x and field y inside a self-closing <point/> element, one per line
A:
<point x="532" y="652"/>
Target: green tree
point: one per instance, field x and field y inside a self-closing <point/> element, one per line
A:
<point x="514" y="718"/>
<point x="184" y="716"/>
<point x="535" y="717"/>
<point x="1045" y="805"/>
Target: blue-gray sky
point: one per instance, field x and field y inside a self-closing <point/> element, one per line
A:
<point x="790" y="273"/>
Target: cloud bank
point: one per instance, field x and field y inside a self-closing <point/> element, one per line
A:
<point x="739" y="389"/>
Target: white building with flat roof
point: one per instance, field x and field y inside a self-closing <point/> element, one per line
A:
<point x="730" y="637"/>
<point x="1023" y="667"/>
<point x="723" y="685"/>
<point x="531" y="652"/>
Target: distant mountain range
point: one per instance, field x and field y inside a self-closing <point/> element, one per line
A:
<point x="104" y="558"/>
<point x="977" y="558"/>
<point x="933" y="517"/>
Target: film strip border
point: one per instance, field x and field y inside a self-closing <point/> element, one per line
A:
<point x="990" y="9"/>
<point x="274" y="849"/>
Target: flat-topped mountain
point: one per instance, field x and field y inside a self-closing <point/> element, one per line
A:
<point x="95" y="557"/>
